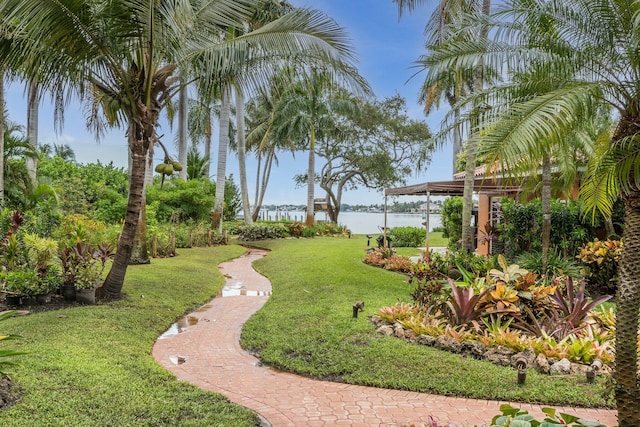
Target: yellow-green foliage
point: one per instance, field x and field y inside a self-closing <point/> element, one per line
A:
<point x="41" y="251"/>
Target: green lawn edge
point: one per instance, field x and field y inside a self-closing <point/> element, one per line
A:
<point x="306" y="327"/>
<point x="92" y="366"/>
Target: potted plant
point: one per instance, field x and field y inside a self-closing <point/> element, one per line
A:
<point x="87" y="279"/>
<point x="48" y="283"/>
<point x="20" y="286"/>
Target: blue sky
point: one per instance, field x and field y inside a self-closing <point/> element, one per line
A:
<point x="386" y="48"/>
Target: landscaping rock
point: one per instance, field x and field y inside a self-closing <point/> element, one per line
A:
<point x="529" y="355"/>
<point x="541" y="364"/>
<point x="410" y="335"/>
<point x="447" y="343"/>
<point x="376" y="320"/>
<point x="499" y="355"/>
<point x="577" y="368"/>
<point x="426" y="340"/>
<point x="385" y="330"/>
<point x="399" y="332"/>
<point x="562" y="367"/>
<point x="473" y="349"/>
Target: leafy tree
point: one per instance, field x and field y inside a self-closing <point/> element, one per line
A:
<point x="375" y="148"/>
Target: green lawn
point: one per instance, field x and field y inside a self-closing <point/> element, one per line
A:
<point x="307" y="327"/>
<point x="92" y="366"/>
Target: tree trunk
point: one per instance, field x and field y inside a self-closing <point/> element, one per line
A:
<point x="472" y="148"/>
<point x="2" y="127"/>
<point x="468" y="232"/>
<point x="182" y="132"/>
<point x="207" y="146"/>
<point x="139" y="253"/>
<point x="265" y="182"/>
<point x="223" y="144"/>
<point x="546" y="210"/>
<point x="311" y="182"/>
<point x="148" y="173"/>
<point x="242" y="163"/>
<point x="628" y="304"/>
<point x="112" y="287"/>
<point x="457" y="141"/>
<point x="32" y="128"/>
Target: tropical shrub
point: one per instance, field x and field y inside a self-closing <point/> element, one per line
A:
<point x="557" y="265"/>
<point x="110" y="207"/>
<point x="387" y="259"/>
<point x="180" y="200"/>
<point x="81" y="186"/>
<point x="517" y="417"/>
<point x="451" y="216"/>
<point x="76" y="228"/>
<point x="400" y="311"/>
<point x="261" y="231"/>
<point x="406" y="237"/>
<point x="521" y="227"/>
<point x="601" y="260"/>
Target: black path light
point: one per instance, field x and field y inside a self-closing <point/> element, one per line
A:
<point x="359" y="306"/>
<point x="521" y="365"/>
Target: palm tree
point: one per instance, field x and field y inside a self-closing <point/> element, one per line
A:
<point x="263" y="137"/>
<point x="223" y="145"/>
<point x="32" y="123"/>
<point x="306" y="112"/>
<point x="589" y="61"/>
<point x="479" y="77"/>
<point x="122" y="58"/>
<point x="17" y="180"/>
<point x="197" y="165"/>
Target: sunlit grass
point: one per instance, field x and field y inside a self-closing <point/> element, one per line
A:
<point x="92" y="366"/>
<point x="307" y="327"/>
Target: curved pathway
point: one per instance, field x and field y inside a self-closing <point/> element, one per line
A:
<point x="203" y="349"/>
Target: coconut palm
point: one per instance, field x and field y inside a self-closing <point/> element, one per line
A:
<point x="121" y="57"/>
<point x="588" y="60"/>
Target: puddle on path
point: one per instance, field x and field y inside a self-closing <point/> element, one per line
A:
<point x="236" y="289"/>
<point x="181" y="325"/>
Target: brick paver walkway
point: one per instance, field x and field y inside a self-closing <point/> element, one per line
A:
<point x="207" y="353"/>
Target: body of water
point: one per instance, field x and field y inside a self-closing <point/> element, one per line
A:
<point x="365" y="222"/>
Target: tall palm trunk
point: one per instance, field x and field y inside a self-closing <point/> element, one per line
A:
<point x="223" y="144"/>
<point x="112" y="286"/>
<point x="311" y="182"/>
<point x="546" y="210"/>
<point x="2" y="126"/>
<point x="242" y="163"/>
<point x="182" y="132"/>
<point x="139" y="253"/>
<point x="208" y="135"/>
<point x="148" y="174"/>
<point x="472" y="150"/>
<point x="32" y="128"/>
<point x="261" y="187"/>
<point x="628" y="304"/>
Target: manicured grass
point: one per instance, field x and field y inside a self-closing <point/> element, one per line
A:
<point x="307" y="327"/>
<point x="436" y="239"/>
<point x="92" y="366"/>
